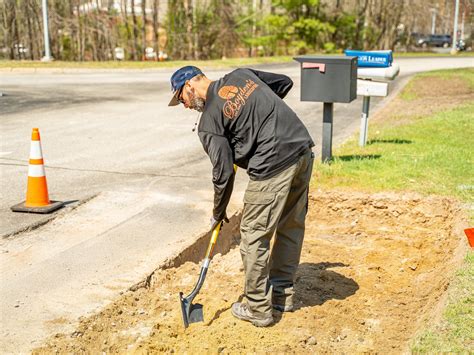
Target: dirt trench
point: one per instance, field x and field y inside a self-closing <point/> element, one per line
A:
<point x="374" y="270"/>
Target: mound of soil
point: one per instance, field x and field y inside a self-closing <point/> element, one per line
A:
<point x="373" y="270"/>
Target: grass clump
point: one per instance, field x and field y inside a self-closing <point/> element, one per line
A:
<point x="455" y="332"/>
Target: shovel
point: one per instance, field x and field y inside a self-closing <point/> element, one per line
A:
<point x="192" y="313"/>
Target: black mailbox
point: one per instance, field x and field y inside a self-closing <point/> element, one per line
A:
<point x="328" y="78"/>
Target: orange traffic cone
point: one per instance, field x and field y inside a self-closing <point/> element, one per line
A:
<point x="37" y="199"/>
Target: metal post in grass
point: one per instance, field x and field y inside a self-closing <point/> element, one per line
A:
<point x="364" y="122"/>
<point x="47" y="52"/>
<point x="328" y="113"/>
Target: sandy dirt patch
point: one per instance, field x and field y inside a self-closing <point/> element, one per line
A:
<point x="374" y="269"/>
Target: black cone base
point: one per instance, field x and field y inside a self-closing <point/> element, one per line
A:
<point x="53" y="206"/>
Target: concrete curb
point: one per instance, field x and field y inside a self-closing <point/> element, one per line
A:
<point x="47" y="219"/>
<point x="195" y="251"/>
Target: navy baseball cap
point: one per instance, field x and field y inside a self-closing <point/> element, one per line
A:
<point x="179" y="78"/>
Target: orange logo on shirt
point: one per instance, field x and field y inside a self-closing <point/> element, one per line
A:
<point x="236" y="97"/>
<point x="228" y="92"/>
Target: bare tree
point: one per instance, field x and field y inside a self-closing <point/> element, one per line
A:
<point x="135" y="31"/>
<point x="156" y="35"/>
<point x="202" y="29"/>
<point x="144" y="26"/>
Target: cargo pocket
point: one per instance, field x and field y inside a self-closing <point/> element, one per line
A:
<point x="257" y="209"/>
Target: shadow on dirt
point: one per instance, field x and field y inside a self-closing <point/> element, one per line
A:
<point x="315" y="284"/>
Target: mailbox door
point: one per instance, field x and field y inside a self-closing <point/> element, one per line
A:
<point x="328" y="80"/>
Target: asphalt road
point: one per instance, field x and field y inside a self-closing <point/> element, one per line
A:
<point x="110" y="137"/>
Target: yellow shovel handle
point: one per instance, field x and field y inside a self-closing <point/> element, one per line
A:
<point x="215" y="232"/>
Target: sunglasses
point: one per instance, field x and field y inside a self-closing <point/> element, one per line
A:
<point x="180" y="96"/>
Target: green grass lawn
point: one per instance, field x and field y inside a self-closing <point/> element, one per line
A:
<point x="455" y="332"/>
<point x="431" y="154"/>
<point x="431" y="54"/>
<point x="218" y="63"/>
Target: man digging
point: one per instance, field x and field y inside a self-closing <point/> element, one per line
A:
<point x="246" y="122"/>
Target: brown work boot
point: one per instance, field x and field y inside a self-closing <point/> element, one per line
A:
<point x="242" y="311"/>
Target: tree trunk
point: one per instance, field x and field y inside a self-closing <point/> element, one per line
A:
<point x="367" y="23"/>
<point x="254" y="28"/>
<point x="156" y="35"/>
<point x="16" y="34"/>
<point x="188" y="6"/>
<point x="80" y="32"/>
<point x="37" y="29"/>
<point x="195" y="30"/>
<point x="26" y="9"/>
<point x="127" y="27"/>
<point x="135" y="32"/>
<point x="10" y="14"/>
<point x="144" y="26"/>
<point x="73" y="30"/>
<point x="4" y="26"/>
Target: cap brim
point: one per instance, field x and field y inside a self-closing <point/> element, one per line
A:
<point x="174" y="100"/>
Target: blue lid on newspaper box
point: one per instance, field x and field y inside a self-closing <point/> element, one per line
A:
<point x="373" y="59"/>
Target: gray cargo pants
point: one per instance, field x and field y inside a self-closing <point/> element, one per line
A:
<point x="274" y="206"/>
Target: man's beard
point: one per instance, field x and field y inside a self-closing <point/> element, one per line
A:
<point x="198" y="104"/>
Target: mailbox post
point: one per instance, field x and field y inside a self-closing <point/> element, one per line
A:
<point x="364" y="121"/>
<point x="372" y="82"/>
<point x="328" y="113"/>
<point x="375" y="68"/>
<point x="328" y="79"/>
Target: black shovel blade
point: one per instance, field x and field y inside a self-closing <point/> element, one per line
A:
<point x="192" y="313"/>
<point x="196" y="313"/>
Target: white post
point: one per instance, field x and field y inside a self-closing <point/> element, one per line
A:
<point x="47" y="52"/>
<point x="455" y="32"/>
<point x="364" y="122"/>
<point x="433" y="21"/>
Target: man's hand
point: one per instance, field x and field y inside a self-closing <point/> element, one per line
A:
<point x="215" y="222"/>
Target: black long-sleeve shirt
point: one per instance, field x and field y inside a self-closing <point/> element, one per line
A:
<point x="246" y="122"/>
